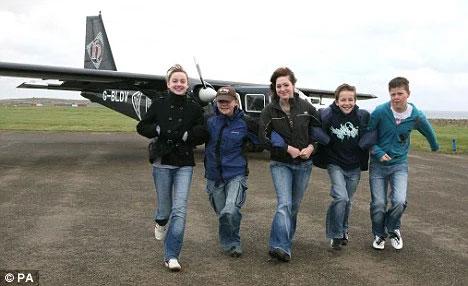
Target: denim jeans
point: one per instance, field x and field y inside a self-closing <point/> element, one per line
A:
<point x="172" y="190"/>
<point x="227" y="199"/>
<point x="385" y="221"/>
<point x="290" y="181"/>
<point x="343" y="187"/>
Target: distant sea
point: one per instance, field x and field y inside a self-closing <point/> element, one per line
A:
<point x="446" y="114"/>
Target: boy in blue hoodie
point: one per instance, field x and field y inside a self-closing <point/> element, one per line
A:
<point x="394" y="122"/>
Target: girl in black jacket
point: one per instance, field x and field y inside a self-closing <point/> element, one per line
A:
<point x="175" y="120"/>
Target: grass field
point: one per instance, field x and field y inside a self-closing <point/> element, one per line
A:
<point x="445" y="134"/>
<point x="64" y="119"/>
<point x="101" y="119"/>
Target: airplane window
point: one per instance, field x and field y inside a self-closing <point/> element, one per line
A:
<point x="254" y="102"/>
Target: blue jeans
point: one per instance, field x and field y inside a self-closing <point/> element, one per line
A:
<point x="343" y="187"/>
<point x="227" y="199"/>
<point x="385" y="220"/>
<point x="290" y="181"/>
<point x="172" y="190"/>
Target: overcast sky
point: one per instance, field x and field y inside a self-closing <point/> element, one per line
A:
<point x="326" y="43"/>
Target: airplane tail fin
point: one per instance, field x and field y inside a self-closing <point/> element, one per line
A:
<point x="98" y="53"/>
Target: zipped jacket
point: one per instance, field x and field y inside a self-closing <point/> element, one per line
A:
<point x="293" y="130"/>
<point x="226" y="137"/>
<point x="393" y="139"/>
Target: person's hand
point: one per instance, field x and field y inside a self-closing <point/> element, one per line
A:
<point x="385" y="158"/>
<point x="306" y="152"/>
<point x="293" y="152"/>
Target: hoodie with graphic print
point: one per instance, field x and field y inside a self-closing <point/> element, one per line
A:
<point x="343" y="130"/>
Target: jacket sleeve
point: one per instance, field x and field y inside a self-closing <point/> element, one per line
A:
<point x="198" y="133"/>
<point x="319" y="134"/>
<point x="147" y="126"/>
<point x="277" y="141"/>
<point x="425" y="128"/>
<point x="264" y="128"/>
<point x="374" y="121"/>
<point x="315" y="123"/>
<point x="205" y="131"/>
<point x="368" y="138"/>
<point x="252" y="125"/>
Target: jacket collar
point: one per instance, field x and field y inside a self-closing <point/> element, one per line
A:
<point x="292" y="102"/>
<point x="237" y="113"/>
<point x="176" y="99"/>
<point x="336" y="109"/>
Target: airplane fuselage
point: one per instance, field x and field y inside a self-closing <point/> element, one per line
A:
<point x="135" y="104"/>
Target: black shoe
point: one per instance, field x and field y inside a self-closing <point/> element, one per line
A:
<point x="345" y="240"/>
<point x="235" y="251"/>
<point x="279" y="254"/>
<point x="336" y="243"/>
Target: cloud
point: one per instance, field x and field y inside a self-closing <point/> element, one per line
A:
<point x="363" y="43"/>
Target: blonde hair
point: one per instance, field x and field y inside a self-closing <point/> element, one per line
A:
<point x="175" y="68"/>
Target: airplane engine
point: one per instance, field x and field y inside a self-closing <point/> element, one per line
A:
<point x="206" y="95"/>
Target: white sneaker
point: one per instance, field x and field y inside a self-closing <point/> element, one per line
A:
<point x="173" y="264"/>
<point x="397" y="241"/>
<point x="379" y="243"/>
<point x="160" y="231"/>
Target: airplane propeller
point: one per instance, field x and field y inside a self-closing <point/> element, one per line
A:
<point x="205" y="93"/>
<point x="199" y="72"/>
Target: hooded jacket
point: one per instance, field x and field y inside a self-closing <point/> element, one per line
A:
<point x="393" y="139"/>
<point x="345" y="138"/>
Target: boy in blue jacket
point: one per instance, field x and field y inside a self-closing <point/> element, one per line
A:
<point x="394" y="122"/>
<point x="226" y="166"/>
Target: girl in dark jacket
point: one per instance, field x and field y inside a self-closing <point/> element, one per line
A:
<point x="176" y="121"/>
<point x="290" y="117"/>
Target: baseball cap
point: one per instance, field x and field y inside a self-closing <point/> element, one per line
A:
<point x="227" y="93"/>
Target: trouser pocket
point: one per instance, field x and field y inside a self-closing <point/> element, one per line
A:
<point x="241" y="194"/>
<point x="214" y="196"/>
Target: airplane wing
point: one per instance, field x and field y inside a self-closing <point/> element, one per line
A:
<point x="79" y="79"/>
<point x="91" y="80"/>
<point x="318" y="93"/>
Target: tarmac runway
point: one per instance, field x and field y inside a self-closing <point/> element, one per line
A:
<point x="79" y="207"/>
